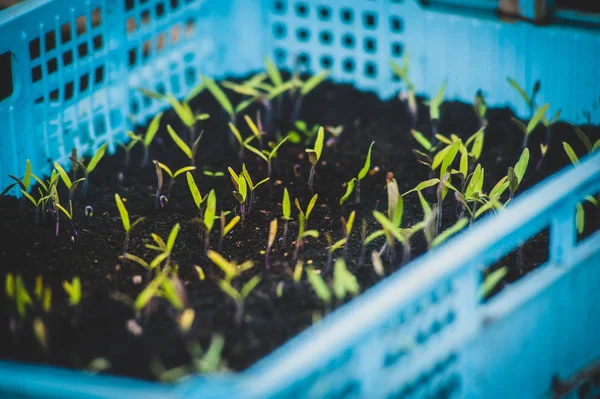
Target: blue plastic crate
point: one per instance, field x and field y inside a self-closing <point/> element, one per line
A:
<point x="420" y="333"/>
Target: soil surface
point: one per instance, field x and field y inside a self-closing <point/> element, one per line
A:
<point x="97" y="327"/>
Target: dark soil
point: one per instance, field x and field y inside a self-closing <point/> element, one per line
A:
<point x="97" y="327"/>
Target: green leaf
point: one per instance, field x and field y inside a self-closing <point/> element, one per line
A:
<point x="227" y="267"/>
<point x="152" y="130"/>
<point x="570" y="153"/>
<point x="311" y="205"/>
<point x="365" y="169"/>
<point x="172" y="237"/>
<point x="312" y="82"/>
<point x="194" y="189"/>
<point x="344" y="282"/>
<point x="212" y="359"/>
<point x="150" y="94"/>
<point x="149" y="292"/>
<point x="521" y="165"/>
<point x="67" y="214"/>
<point x="194" y="92"/>
<point x="273" y="72"/>
<point x="170" y="294"/>
<point x="349" y="190"/>
<point x="230" y="225"/>
<point x="137" y="260"/>
<point x="183" y="170"/>
<point x="123" y="212"/>
<point x="423" y="185"/>
<point x="73" y="289"/>
<point x="29" y="197"/>
<point x="249" y="286"/>
<point x="513" y="181"/>
<point x="449" y="157"/>
<point x="253" y="127"/>
<point x="519" y="90"/>
<point x="63" y="175"/>
<point x="180" y="143"/>
<point x="435" y="103"/>
<point x="579" y="218"/>
<point x="318" y="285"/>
<point x="373" y="236"/>
<point x="499" y="188"/>
<point x="158" y="260"/>
<point x="40" y="182"/>
<point x="21" y="296"/>
<point x="243" y="105"/>
<point x="9" y="285"/>
<point x="273" y="152"/>
<point x="319" y="142"/>
<point x="209" y="214"/>
<point x="226" y="287"/>
<point x="421" y="139"/>
<point x="247" y="177"/>
<point x="240" y="89"/>
<point x="285" y="205"/>
<point x="27" y="175"/>
<point x="424" y="205"/>
<point x="477" y="144"/>
<point x="492" y="280"/>
<point x="257" y="152"/>
<point x="182" y="110"/>
<point x="388" y="226"/>
<point x="219" y="95"/>
<point x="96" y="158"/>
<point x="539" y="114"/>
<point x="583" y="137"/>
<point x="458" y="226"/>
<point x="464" y="161"/>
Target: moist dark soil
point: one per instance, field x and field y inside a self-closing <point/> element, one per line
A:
<point x="97" y="327"/>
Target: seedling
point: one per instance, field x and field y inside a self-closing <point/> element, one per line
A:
<point x="302" y="222"/>
<point x="305" y="88"/>
<point x="159" y="168"/>
<point x="250" y="185"/>
<point x="198" y="199"/>
<point x="268" y="156"/>
<point x="90" y="166"/>
<point x="23" y="183"/>
<point x="189" y="152"/>
<point x="184" y="112"/>
<point x="161" y="286"/>
<point x="344" y="282"/>
<point x="491" y="281"/>
<point x="346" y="229"/>
<point x="314" y="154"/>
<point x="213" y="174"/>
<point x="207" y="222"/>
<point x="355" y="182"/>
<point x="409" y="96"/>
<point x="127" y="226"/>
<point x="271" y="240"/>
<point x="231" y="270"/>
<point x="38" y="204"/>
<point x="15" y="289"/>
<point x="226" y="227"/>
<point x="165" y="249"/>
<point x="319" y="286"/>
<point x="480" y="108"/>
<point x="241" y="191"/>
<point x="309" y="208"/>
<point x="73" y="290"/>
<point x="134" y="139"/>
<point x="239" y="296"/>
<point x="286" y="211"/>
<point x="529" y="100"/>
<point x="69" y="215"/>
<point x="532" y="124"/>
<point x="211" y="361"/>
<point x="241" y="141"/>
<point x="71" y="185"/>
<point x="434" y="110"/>
<point x="308" y="133"/>
<point x="149" y="137"/>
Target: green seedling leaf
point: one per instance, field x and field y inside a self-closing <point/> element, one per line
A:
<point x="273" y="152"/>
<point x="209" y="214"/>
<point x="519" y="90"/>
<point x="123" y="212"/>
<point x="231" y="225"/>
<point x="492" y="280"/>
<point x="539" y="114"/>
<point x="344" y="282"/>
<point x="226" y="287"/>
<point x="388" y="226"/>
<point x="477" y="144"/>
<point x="200" y="272"/>
<point x="339" y="244"/>
<point x="349" y="190"/>
<point x="194" y="189"/>
<point x="67" y="214"/>
<point x="96" y="158"/>
<point x="212" y="359"/>
<point x="298" y="269"/>
<point x="596" y="145"/>
<point x="312" y="82"/>
<point x="73" y="290"/>
<point x="521" y="165"/>
<point x="458" y="226"/>
<point x="257" y="152"/>
<point x="227" y="267"/>
<point x="218" y="94"/>
<point x="579" y="218"/>
<point x="285" y="205"/>
<point x="253" y="128"/>
<point x="182" y="110"/>
<point x="421" y="139"/>
<point x="137" y="260"/>
<point x="464" y="161"/>
<point x="423" y="185"/>
<point x="9" y="285"/>
<point x="152" y="130"/>
<point x="27" y="175"/>
<point x="160" y="258"/>
<point x="63" y="175"/>
<point x="180" y="143"/>
<point x="318" y="285"/>
<point x="185" y="169"/>
<point x="373" y="236"/>
<point x="570" y="153"/>
<point x="249" y="286"/>
<point x="311" y="205"/>
<point x="172" y="237"/>
<point x="241" y="89"/>
<point x="149" y="292"/>
<point x="513" y="181"/>
<point x="170" y="294"/>
<point x="236" y="133"/>
<point x="434" y="106"/>
<point x="202" y="117"/>
<point x="194" y="92"/>
<point x="365" y="169"/>
<point x="449" y="157"/>
<point x="499" y="188"/>
<point x="273" y="72"/>
<point x="583" y="137"/>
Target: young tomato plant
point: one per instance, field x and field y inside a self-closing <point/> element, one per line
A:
<point x="159" y="168"/>
<point x="90" y="166"/>
<point x="127" y="226"/>
<point x="355" y="182"/>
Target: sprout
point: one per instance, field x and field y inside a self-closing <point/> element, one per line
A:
<point x="344" y="282"/>
<point x="89" y="211"/>
<point x="195" y="192"/>
<point x="480" y="108"/>
<point x="71" y="185"/>
<point x="149" y="137"/>
<point x="286" y="210"/>
<point x="161" y="286"/>
<point x="305" y="88"/>
<point x="127" y="226"/>
<point x="39" y="330"/>
<point x="239" y="296"/>
<point x="207" y="222"/>
<point x="73" y="290"/>
<point x="297" y="276"/>
<point x="302" y="222"/>
<point x="410" y="96"/>
<point x="38" y="204"/>
<point x="160" y="167"/>
<point x="251" y="186"/>
<point x="189" y="152"/>
<point x="90" y="166"/>
<point x="69" y="215"/>
<point x="314" y="154"/>
<point x="271" y="240"/>
<point x="267" y="156"/>
<point x="129" y="146"/>
<point x="319" y="285"/>
<point x="213" y="174"/>
<point x="226" y="227"/>
<point x="184" y="112"/>
<point x="241" y="193"/>
<point x="491" y="281"/>
<point x="346" y="229"/>
<point x="355" y="182"/>
<point x="529" y="100"/>
<point x="309" y="208"/>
